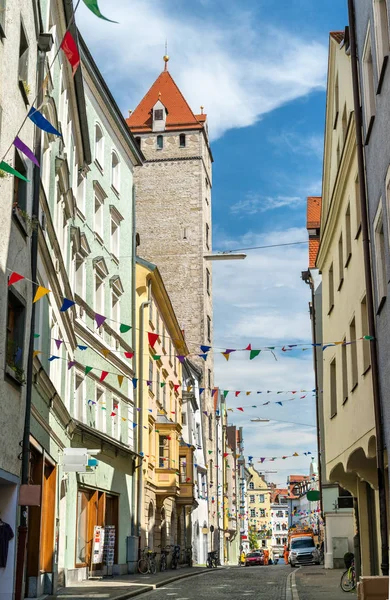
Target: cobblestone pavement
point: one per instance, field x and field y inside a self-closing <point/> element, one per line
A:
<point x="317" y="583"/>
<point x="234" y="583"/>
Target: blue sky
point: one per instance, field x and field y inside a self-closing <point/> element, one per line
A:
<point x="259" y="68"/>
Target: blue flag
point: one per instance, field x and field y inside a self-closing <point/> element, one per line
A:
<point x="40" y="121"/>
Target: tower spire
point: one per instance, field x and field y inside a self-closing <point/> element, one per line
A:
<point x="166" y="57"/>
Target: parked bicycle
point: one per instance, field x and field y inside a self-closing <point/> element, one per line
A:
<point x="163" y="560"/>
<point x="212" y="560"/>
<point x="175" y="556"/>
<point x="348" y="579"/>
<point x="188" y="557"/>
<point x="147" y="562"/>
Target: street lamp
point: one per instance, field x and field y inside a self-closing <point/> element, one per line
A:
<point x="224" y="256"/>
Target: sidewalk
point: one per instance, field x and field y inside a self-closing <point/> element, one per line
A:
<point x="317" y="583"/>
<point x="124" y="586"/>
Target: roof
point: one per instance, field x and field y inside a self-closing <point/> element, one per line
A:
<point x="337" y="35"/>
<point x="179" y="114"/>
<point x="313" y="212"/>
<point x="314" y="246"/>
<point x="278" y="492"/>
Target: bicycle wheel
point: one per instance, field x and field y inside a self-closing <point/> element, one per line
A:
<point x="143" y="566"/>
<point x="347" y="582"/>
<point x="153" y="566"/>
<point x="163" y="564"/>
<point x="208" y="564"/>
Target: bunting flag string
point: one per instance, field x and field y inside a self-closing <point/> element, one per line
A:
<point x="69" y="46"/>
<point x="94" y="7"/>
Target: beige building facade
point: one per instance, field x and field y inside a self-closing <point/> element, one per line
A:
<point x="259" y="508"/>
<point x="347" y="384"/>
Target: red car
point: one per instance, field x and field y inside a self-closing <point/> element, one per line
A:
<point x="254" y="558"/>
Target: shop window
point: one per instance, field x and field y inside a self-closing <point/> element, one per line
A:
<point x="163" y="452"/>
<point x="15" y="333"/>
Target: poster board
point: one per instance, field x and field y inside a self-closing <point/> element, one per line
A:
<point x="109" y="545"/>
<point x="98" y="544"/>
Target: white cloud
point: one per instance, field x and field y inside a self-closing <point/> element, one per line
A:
<point x="263" y="301"/>
<point x="237" y="68"/>
<point x="256" y="203"/>
<point x="296" y="143"/>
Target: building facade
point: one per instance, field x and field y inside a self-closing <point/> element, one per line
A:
<point x="175" y="187"/>
<point x="259" y="507"/>
<point x="350" y="436"/>
<point x="279" y="519"/>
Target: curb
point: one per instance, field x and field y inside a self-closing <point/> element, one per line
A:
<point x="153" y="586"/>
<point x="291" y="588"/>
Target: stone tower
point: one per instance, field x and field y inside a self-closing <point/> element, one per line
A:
<point x="173" y="215"/>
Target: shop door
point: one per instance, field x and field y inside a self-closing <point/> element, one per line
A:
<point x="111" y="518"/>
<point x="48" y="518"/>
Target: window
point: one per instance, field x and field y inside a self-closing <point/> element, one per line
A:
<point x="336" y="101"/>
<point x="20" y="187"/>
<point x="157" y="323"/>
<point x="341" y="262"/>
<point x="81" y="185"/>
<point x="368" y="83"/>
<point x="333" y="388"/>
<point x="198" y="438"/>
<point x="165" y="397"/>
<point x="183" y="469"/>
<point x="23" y="56"/>
<point x="151" y="311"/>
<point x="115" y="172"/>
<point x="365" y="343"/>
<point x="184" y="418"/>
<point x="15" y="333"/>
<point x="182" y="140"/>
<point x="348" y="236"/>
<point x="210" y="427"/>
<point x="158" y="386"/>
<point x="344" y="124"/>
<point x="209" y="377"/>
<point x="208" y="328"/>
<point x="115" y="310"/>
<point x="278" y="541"/>
<point x="101" y="413"/>
<point x="338" y="154"/>
<point x="345" y="498"/>
<point x="79" y="276"/>
<point x="251" y="485"/>
<point x="2" y="18"/>
<point x="207" y="236"/>
<point x="208" y="281"/>
<point x="79" y="402"/>
<point x="330" y="288"/>
<point x="353" y="351"/>
<point x="159" y="114"/>
<point x="381" y="20"/>
<point x="262" y="512"/>
<point x="253" y="512"/>
<point x="279" y="514"/>
<point x="251" y="498"/>
<point x="160" y="142"/>
<point x="261" y="498"/>
<point x="277" y="526"/>
<point x="138" y="141"/>
<point x="358" y="207"/>
<point x="163" y="452"/>
<point x="344" y="368"/>
<point x="380" y="256"/>
<point x="151" y="374"/>
<point x="116" y="421"/>
<point x="170" y="350"/>
<point x="99" y="147"/>
<point x="284" y="540"/>
<point x="115" y="236"/>
<point x="99" y="295"/>
<point x="98" y="217"/>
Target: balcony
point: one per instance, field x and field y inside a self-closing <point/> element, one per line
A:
<point x="167" y="483"/>
<point x="186" y="468"/>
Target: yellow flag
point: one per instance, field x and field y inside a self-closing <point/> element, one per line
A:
<point x="120" y="380"/>
<point x="36" y="352"/>
<point x="105" y="352"/>
<point x="248" y="393"/>
<point x="41" y="291"/>
<point x="189" y="388"/>
<point x="295" y="454"/>
<point x="226" y="355"/>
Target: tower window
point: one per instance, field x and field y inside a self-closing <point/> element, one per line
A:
<point x="160" y="142"/>
<point x="158" y="114"/>
<point x="182" y="139"/>
<point x="138" y="141"/>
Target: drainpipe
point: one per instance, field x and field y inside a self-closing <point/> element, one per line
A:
<point x="140" y="412"/>
<point x="134" y="348"/>
<point x="369" y="295"/>
<point x="23" y="526"/>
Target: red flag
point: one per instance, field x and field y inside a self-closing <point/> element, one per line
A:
<point x="113" y="414"/>
<point x="129" y="354"/>
<point x="71" y="52"/>
<point x="14" y="278"/>
<point x="103" y="375"/>
<point x="239" y="408"/>
<point x="225" y="454"/>
<point x="176" y="387"/>
<point x="249" y="347"/>
<point x="153" y="337"/>
<point x="237" y="393"/>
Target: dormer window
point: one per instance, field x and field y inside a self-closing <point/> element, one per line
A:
<point x="158" y="114"/>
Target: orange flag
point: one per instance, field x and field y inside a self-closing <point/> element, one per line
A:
<point x="41" y="291"/>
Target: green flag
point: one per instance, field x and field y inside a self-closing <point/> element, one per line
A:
<point x="93" y="6"/>
<point x="162" y="384"/>
<point x="87" y="370"/>
<point x="253" y="354"/>
<point x="225" y="393"/>
<point x="8" y="169"/>
<point x="156" y="356"/>
<point x="124" y="328"/>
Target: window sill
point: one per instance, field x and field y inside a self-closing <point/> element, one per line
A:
<point x="329" y="311"/>
<point x="99" y="166"/>
<point x="23" y="92"/>
<point x="382" y="73"/>
<point x="381" y="304"/>
<point x="114" y="258"/>
<point x="348" y="260"/>
<point x="358" y="231"/>
<point x="354" y="387"/>
<point x="345" y="400"/>
<point x="333" y="415"/>
<point x="340" y="284"/>
<point x="10" y="373"/>
<point x="369" y="129"/>
<point x="335" y="120"/>
<point x="117" y="194"/>
<point x="98" y="238"/>
<point x="367" y="369"/>
<point x="80" y="214"/>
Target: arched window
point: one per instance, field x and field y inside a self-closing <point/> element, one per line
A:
<point x="160" y="142"/>
<point x="99" y="146"/>
<point x="182" y="139"/>
<point x="115" y="173"/>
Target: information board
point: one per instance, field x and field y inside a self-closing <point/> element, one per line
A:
<point x="109" y="545"/>
<point x="98" y="544"/>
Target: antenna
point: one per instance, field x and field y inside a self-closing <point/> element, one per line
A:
<point x="166" y="57"/>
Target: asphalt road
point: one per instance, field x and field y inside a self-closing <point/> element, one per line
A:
<point x="234" y="583"/>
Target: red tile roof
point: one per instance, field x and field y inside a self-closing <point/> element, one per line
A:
<point x="337" y="35"/>
<point x="278" y="492"/>
<point x="314" y="246"/>
<point x="313" y="213"/>
<point x="180" y="115"/>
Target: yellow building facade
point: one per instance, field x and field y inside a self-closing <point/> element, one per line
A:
<point x="347" y="383"/>
<point x="165" y="478"/>
<point x="259" y="508"/>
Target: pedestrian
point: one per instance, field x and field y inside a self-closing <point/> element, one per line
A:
<point x="242" y="558"/>
<point x="266" y="556"/>
<point x="285" y="553"/>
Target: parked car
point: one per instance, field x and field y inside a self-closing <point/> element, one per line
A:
<point x="254" y="558"/>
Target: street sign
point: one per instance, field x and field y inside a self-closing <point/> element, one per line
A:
<point x="78" y="460"/>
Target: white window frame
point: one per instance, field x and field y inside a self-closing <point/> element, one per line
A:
<point x="115" y="311"/>
<point x="115" y="172"/>
<point x="368" y="81"/>
<point x="79" y="405"/>
<point x="98" y="216"/>
<point x="382" y="39"/>
<point x="101" y="415"/>
<point x="99" y="146"/>
<point x="99" y="307"/>
<point x="380" y="256"/>
<point x="116" y="421"/>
